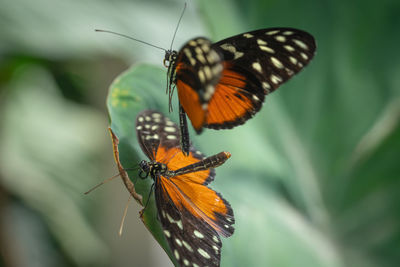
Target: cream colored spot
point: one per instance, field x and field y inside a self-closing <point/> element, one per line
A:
<point x="205" y="47"/>
<point x="154" y="127"/>
<point x="266" y="85"/>
<point x="276" y="63"/>
<point x="272" y="32"/>
<point x="140" y="119"/>
<point x="289" y="48"/>
<point x="261" y="42"/>
<point x="139" y="127"/>
<point x="201" y="76"/>
<point x="171" y="137"/>
<point x="167" y="233"/>
<point x="303" y="55"/>
<point x="287" y="33"/>
<point x="189" y="56"/>
<point x="186" y="262"/>
<point x="169" y="129"/>
<point x="147" y="118"/>
<point x="238" y="54"/>
<point x="192" y="43"/>
<point x="275" y="79"/>
<point x="201" y="58"/>
<point x="255" y="98"/>
<point x="207" y="71"/>
<point x="215" y="248"/>
<point x="195" y="232"/>
<point x="187" y="246"/>
<point x="267" y="49"/>
<point x="215" y="238"/>
<point x="203" y="253"/>
<point x="176" y="254"/>
<point x="300" y="44"/>
<point x="248" y="35"/>
<point x="178" y="242"/>
<point x="257" y="67"/>
<point x="293" y="60"/>
<point x="169" y="122"/>
<point x="280" y="38"/>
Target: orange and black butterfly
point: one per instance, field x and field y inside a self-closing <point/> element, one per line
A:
<point x="221" y="85"/>
<point x="192" y="215"/>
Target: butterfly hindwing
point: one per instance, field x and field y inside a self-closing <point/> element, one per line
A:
<point x="191" y="239"/>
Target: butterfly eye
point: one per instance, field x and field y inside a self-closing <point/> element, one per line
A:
<point x="165" y="61"/>
<point x="144" y="169"/>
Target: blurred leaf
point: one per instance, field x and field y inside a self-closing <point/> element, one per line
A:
<point x="49" y="157"/>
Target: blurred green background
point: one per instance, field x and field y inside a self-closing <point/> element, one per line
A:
<point x="314" y="177"/>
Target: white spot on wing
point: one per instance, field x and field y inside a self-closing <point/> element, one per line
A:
<point x="178" y="242"/>
<point x="197" y="233"/>
<point x="215" y="238"/>
<point x="248" y="35"/>
<point x="203" y="253"/>
<point x="201" y="76"/>
<point x="300" y="44"/>
<point x="304" y="56"/>
<point x="276" y="63"/>
<point x="176" y="254"/>
<point x="293" y="60"/>
<point x="167" y="233"/>
<point x="288" y="33"/>
<point x="267" y="49"/>
<point x="187" y="246"/>
<point x="280" y="38"/>
<point x="275" y="79"/>
<point x="261" y="42"/>
<point x="140" y="119"/>
<point x="289" y="48"/>
<point x="169" y="129"/>
<point x="272" y="32"/>
<point x="257" y="67"/>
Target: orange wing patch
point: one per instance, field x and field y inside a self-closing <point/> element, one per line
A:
<point x="175" y="160"/>
<point x="199" y="200"/>
<point x="230" y="103"/>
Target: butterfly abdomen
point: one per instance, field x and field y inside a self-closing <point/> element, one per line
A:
<point x="205" y="164"/>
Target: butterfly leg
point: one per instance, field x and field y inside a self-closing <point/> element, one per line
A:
<point x="185" y="140"/>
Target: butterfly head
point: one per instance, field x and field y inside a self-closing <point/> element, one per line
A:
<point x="151" y="168"/>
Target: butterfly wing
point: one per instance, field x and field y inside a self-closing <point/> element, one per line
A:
<point x="228" y="90"/>
<point x="198" y="70"/>
<point x="193" y="215"/>
<point x="255" y="64"/>
<point x="153" y="129"/>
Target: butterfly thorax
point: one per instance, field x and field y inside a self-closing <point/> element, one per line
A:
<point x="152" y="168"/>
<point x="170" y="63"/>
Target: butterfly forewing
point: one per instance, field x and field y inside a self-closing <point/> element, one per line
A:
<point x="272" y="55"/>
<point x="153" y="129"/>
<point x="198" y="70"/>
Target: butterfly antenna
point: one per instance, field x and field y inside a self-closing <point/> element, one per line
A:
<point x="126" y="36"/>
<point x="105" y="181"/>
<point x="121" y="228"/>
<point x="177" y="26"/>
<point x="109" y="179"/>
